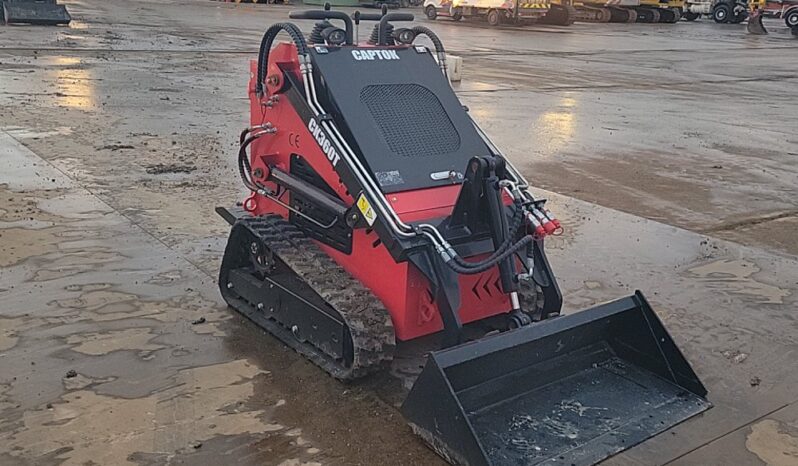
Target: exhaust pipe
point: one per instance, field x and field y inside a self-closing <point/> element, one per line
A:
<point x="574" y="389"/>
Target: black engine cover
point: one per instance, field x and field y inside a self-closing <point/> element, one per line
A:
<point x="410" y="128"/>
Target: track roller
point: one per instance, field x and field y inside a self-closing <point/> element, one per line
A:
<point x="560" y="15"/>
<point x="648" y="15"/>
<point x="669" y="15"/>
<point x="620" y="15"/>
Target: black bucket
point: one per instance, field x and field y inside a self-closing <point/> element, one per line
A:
<point x="755" y="25"/>
<point x="39" y="12"/>
<point x="571" y="390"/>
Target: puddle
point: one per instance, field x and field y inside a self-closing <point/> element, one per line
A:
<point x="8" y="333"/>
<point x="97" y="344"/>
<point x="80" y="381"/>
<point x="19" y="244"/>
<point x="774" y="443"/>
<point x="99" y="303"/>
<point x="83" y="427"/>
<point x="94" y="299"/>
<point x="29" y="133"/>
<point x="736" y="277"/>
<point x="66" y="264"/>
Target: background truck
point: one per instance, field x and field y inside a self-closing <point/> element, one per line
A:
<point x="721" y="11"/>
<point x="736" y="11"/>
<point x="628" y="11"/>
<point x="497" y="12"/>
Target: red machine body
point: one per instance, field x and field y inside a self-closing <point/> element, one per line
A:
<point x="374" y="193"/>
<point x="403" y="290"/>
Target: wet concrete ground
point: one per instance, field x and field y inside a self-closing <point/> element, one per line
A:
<point x="118" y="139"/>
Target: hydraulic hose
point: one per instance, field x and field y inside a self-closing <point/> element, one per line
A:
<point x="244" y="168"/>
<point x="500" y="254"/>
<point x="486" y="265"/>
<point x="395" y="223"/>
<point x="507" y="243"/>
<point x="436" y="41"/>
<point x="266" y="45"/>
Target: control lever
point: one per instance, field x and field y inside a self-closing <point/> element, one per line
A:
<point x="326" y="14"/>
<point x="384" y="23"/>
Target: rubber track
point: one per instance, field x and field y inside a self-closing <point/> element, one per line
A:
<point x="368" y="321"/>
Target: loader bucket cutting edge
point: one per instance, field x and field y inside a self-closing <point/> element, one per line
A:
<point x="755" y="25"/>
<point x="574" y="389"/>
<point x="37" y="12"/>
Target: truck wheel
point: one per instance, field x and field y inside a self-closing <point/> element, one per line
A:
<point x="739" y="17"/>
<point x="431" y="12"/>
<point x="493" y="18"/>
<point x="791" y="19"/>
<point x="457" y="14"/>
<point x="690" y="16"/>
<point x="721" y="13"/>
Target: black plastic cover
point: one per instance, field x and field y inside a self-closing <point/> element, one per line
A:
<point x="400" y="112"/>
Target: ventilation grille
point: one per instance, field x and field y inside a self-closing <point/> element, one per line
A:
<point x="411" y="119"/>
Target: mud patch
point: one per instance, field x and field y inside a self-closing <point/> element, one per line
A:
<point x="80" y="381"/>
<point x="96" y="344"/>
<point x="116" y="147"/>
<point x="163" y="168"/>
<point x="4" y="399"/>
<point x="627" y="184"/>
<point x="83" y="427"/>
<point x="778" y="233"/>
<point x="774" y="443"/>
<point x="67" y="264"/>
<point x="98" y="302"/>
<point x="12" y="329"/>
<point x="8" y="335"/>
<point x="18" y="244"/>
<point x="736" y="277"/>
<point x="96" y="297"/>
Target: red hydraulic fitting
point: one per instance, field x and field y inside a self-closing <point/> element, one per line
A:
<point x="539" y="230"/>
<point x="552" y="218"/>
<point x="548" y="225"/>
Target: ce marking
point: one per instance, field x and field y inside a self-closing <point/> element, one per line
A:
<point x="293" y="140"/>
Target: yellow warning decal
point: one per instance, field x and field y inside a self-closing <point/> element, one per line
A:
<point x="366" y="210"/>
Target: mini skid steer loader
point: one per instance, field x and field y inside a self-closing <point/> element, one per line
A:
<point x="380" y="213"/>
